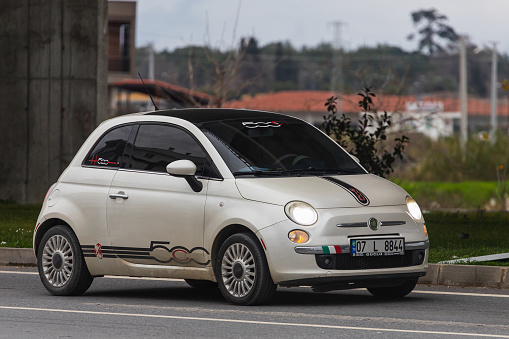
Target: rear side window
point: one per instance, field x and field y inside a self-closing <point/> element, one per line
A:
<point x="158" y="145"/>
<point x="108" y="151"/>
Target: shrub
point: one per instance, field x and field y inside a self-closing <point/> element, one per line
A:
<point x="446" y="160"/>
<point x="366" y="140"/>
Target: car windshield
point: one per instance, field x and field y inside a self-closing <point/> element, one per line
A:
<point x="272" y="148"/>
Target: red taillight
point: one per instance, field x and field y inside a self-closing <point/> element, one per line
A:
<point x="47" y="193"/>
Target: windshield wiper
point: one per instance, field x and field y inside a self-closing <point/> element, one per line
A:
<point x="258" y="173"/>
<point x="351" y="171"/>
<point x="322" y="170"/>
<point x="311" y="170"/>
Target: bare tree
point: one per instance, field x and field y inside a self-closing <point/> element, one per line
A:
<point x="225" y="68"/>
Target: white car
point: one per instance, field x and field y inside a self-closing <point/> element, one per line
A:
<point x="243" y="200"/>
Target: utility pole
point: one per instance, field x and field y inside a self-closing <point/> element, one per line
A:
<point x="493" y="133"/>
<point x="463" y="92"/>
<point x="151" y="62"/>
<point x="337" y="66"/>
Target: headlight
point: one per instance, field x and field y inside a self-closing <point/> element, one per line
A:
<point x="301" y="213"/>
<point x="413" y="209"/>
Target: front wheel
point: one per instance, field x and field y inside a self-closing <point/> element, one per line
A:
<point x="242" y="271"/>
<point x="394" y="291"/>
<point x="61" y="265"/>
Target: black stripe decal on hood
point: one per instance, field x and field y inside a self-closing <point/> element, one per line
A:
<point x="358" y="195"/>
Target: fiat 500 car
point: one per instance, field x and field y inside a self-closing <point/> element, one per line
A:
<point x="243" y="200"/>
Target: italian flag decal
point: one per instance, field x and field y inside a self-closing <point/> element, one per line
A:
<point x="331" y="249"/>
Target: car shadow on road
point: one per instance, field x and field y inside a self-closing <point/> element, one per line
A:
<point x="305" y="296"/>
<point x="181" y="292"/>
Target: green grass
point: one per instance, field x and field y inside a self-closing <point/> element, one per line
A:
<point x="467" y="194"/>
<point x="17" y="224"/>
<point x="488" y="232"/>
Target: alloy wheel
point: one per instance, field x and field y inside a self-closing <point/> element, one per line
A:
<point x="57" y="260"/>
<point x="238" y="270"/>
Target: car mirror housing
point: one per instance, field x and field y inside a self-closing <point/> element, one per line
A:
<point x="181" y="168"/>
<point x="185" y="169"/>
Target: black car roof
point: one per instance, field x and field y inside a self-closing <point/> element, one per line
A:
<point x="201" y="115"/>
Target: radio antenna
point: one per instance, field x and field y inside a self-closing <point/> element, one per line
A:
<point x="150" y="95"/>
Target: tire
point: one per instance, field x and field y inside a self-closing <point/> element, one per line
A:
<point x="201" y="284"/>
<point x="394" y="291"/>
<point x="61" y="265"/>
<point x="242" y="271"/>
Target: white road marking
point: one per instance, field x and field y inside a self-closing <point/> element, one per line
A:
<point x="335" y="318"/>
<point x="293" y="324"/>
<point x="464" y="294"/>
<point x="15" y="272"/>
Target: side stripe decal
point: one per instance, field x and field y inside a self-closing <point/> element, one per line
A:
<point x="178" y="254"/>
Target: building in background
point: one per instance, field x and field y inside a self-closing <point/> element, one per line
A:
<point x="435" y="116"/>
<point x="126" y="91"/>
<point x="121" y="50"/>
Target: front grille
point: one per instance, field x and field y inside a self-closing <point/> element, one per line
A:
<point x="346" y="261"/>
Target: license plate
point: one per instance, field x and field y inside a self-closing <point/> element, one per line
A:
<point x="377" y="247"/>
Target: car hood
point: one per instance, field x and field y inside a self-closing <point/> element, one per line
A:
<point x="323" y="192"/>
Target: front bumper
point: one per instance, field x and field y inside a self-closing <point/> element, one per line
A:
<point x="325" y="284"/>
<point x="325" y="259"/>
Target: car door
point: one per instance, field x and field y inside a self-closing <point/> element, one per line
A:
<point x="154" y="218"/>
<point x="88" y="186"/>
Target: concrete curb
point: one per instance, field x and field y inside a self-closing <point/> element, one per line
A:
<point x="467" y="276"/>
<point x="17" y="256"/>
<point x="438" y="274"/>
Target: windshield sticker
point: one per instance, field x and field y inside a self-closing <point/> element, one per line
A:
<point x="101" y="161"/>
<point x="358" y="195"/>
<point x="252" y="124"/>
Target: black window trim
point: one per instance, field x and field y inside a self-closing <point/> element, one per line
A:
<point x="122" y="161"/>
<point x="132" y="138"/>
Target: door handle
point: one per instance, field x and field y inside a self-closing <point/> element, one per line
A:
<point x="119" y="195"/>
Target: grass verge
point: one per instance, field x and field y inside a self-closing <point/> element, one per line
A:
<point x="488" y="232"/>
<point x="17" y="224"/>
<point x="466" y="194"/>
<point x="462" y="235"/>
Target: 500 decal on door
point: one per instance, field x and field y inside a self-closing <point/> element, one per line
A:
<point x="157" y="251"/>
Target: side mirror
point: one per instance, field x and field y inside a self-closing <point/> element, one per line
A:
<point x="185" y="169"/>
<point x="355" y="158"/>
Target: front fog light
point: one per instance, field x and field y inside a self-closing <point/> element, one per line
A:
<point x="301" y="213"/>
<point x="413" y="209"/>
<point x="298" y="236"/>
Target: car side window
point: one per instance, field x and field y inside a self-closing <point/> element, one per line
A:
<point x="108" y="151"/>
<point x="158" y="145"/>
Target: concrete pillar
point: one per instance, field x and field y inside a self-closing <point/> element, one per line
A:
<point x="53" y="89"/>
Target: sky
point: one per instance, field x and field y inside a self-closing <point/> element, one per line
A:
<point x="170" y="24"/>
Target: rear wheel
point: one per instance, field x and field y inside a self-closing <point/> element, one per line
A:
<point x="242" y="271"/>
<point x="394" y="291"/>
<point x="61" y="265"/>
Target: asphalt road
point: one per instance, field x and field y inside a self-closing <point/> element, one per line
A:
<point x="137" y="308"/>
